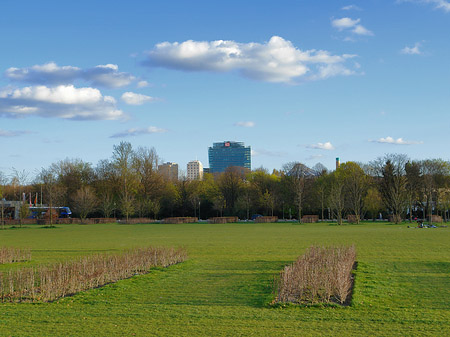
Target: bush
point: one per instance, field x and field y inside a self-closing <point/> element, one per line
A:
<point x="10" y="255"/>
<point x="321" y="275"/>
<point x="48" y="283"/>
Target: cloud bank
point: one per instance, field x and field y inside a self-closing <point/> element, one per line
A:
<point x="107" y="75"/>
<point x="277" y="60"/>
<point x="62" y="101"/>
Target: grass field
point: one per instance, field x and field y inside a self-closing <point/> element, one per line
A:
<point x="402" y="282"/>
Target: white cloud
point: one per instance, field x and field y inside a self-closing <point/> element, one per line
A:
<point x="361" y="30"/>
<point x="438" y="4"/>
<point x="351" y="7"/>
<point x="322" y="146"/>
<point x="136" y="99"/>
<point x="142" y="84"/>
<point x="277" y="60"/>
<point x="16" y="133"/>
<point x="108" y="75"/>
<point x="248" y="124"/>
<point x="412" y="50"/>
<point x="138" y="131"/>
<point x="62" y="101"/>
<point x="51" y="74"/>
<point x="348" y="24"/>
<point x="398" y="141"/>
<point x="344" y="23"/>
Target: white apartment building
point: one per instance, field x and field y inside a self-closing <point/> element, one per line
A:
<point x="194" y="170"/>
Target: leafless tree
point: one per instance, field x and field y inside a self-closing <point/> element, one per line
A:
<point x="85" y="201"/>
<point x="391" y="173"/>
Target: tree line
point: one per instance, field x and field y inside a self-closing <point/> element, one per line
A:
<point x="128" y="184"/>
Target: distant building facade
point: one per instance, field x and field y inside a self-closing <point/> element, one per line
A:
<point x="169" y="171"/>
<point x="225" y="154"/>
<point x="194" y="170"/>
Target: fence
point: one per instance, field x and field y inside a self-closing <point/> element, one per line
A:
<point x="310" y="218"/>
<point x="223" y="219"/>
<point x="179" y="220"/>
<point x="266" y="219"/>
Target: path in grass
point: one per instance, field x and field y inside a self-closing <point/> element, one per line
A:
<point x="402" y="287"/>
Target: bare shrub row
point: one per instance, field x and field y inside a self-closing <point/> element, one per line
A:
<point x="321" y="275"/>
<point x="10" y="255"/>
<point x="48" y="283"/>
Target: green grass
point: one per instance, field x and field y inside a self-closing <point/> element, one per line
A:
<point x="402" y="282"/>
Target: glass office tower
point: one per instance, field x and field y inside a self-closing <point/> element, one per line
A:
<point x="226" y="154"/>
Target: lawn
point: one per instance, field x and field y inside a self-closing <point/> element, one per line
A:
<point x="224" y="289"/>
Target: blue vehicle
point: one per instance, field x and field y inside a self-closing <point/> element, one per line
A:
<point x="39" y="212"/>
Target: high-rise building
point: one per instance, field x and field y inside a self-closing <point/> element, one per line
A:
<point x="194" y="170"/>
<point x="169" y="171"/>
<point x="226" y="154"/>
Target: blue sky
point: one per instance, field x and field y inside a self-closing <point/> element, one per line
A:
<point x="301" y="81"/>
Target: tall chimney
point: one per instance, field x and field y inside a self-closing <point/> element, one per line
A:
<point x="338" y="163"/>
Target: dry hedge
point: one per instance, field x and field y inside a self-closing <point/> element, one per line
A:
<point x="10" y="255"/>
<point x="48" y="283"/>
<point x="321" y="275"/>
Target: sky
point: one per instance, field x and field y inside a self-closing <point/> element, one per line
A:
<point x="303" y="81"/>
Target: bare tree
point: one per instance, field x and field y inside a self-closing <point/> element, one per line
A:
<point x="355" y="187"/>
<point x="2" y="187"/>
<point x="53" y="191"/>
<point x="433" y="172"/>
<point x="300" y="175"/>
<point x="85" y="201"/>
<point x="19" y="178"/>
<point x="414" y="185"/>
<point x="336" y="198"/>
<point x="392" y="176"/>
<point x="123" y="157"/>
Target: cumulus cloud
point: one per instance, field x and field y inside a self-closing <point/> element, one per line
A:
<point x="348" y="24"/>
<point x="398" y="141"/>
<point x="438" y="4"/>
<point x="138" y="131"/>
<point x="62" y="101"/>
<point x="412" y="50"/>
<point x="107" y="75"/>
<point x="277" y="60"/>
<point x="15" y="133"/>
<point x="321" y="146"/>
<point x="248" y="124"/>
<point x="136" y="99"/>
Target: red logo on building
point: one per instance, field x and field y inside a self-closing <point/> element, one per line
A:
<point x="227" y="144"/>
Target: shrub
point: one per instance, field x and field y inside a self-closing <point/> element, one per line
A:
<point x="10" y="255"/>
<point x="48" y="283"/>
<point x="321" y="275"/>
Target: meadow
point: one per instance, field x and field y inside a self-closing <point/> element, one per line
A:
<point x="225" y="287"/>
